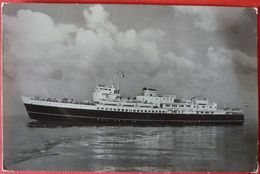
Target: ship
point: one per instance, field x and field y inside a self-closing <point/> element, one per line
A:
<point x="108" y="107"/>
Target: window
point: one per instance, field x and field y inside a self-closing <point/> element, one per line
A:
<point x="97" y="107"/>
<point x="134" y="110"/>
<point x="123" y="110"/>
<point x="126" y="110"/>
<point x="114" y="109"/>
<point x="106" y="108"/>
<point x="137" y="110"/>
<point x="203" y="106"/>
<point x="102" y="108"/>
<point x="118" y="109"/>
<point x="181" y="105"/>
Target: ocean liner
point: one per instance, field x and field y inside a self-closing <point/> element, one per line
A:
<point x="109" y="107"/>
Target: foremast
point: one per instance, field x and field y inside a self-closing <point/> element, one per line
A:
<point x="119" y="74"/>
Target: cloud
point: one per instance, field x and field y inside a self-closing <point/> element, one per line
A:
<point x="179" y="62"/>
<point x="97" y="18"/>
<point x="28" y="26"/>
<point x="43" y="57"/>
<point x="40" y="51"/>
<point x="228" y="58"/>
<point x="215" y="18"/>
<point x="184" y="49"/>
<point x="128" y="39"/>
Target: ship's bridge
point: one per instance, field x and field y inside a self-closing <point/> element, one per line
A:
<point x="106" y="89"/>
<point x="103" y="92"/>
<point x="167" y="99"/>
<point x="204" y="104"/>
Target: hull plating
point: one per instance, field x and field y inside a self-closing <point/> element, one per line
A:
<point x="56" y="114"/>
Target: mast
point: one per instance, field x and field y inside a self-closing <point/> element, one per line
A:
<point x="118" y="80"/>
<point x="119" y="74"/>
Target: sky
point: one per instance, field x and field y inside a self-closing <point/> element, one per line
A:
<point x="53" y="50"/>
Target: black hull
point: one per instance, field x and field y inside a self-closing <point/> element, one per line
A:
<point x="83" y="116"/>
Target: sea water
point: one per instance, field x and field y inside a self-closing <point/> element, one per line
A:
<point x="114" y="148"/>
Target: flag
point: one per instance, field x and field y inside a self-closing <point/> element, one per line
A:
<point x="122" y="74"/>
